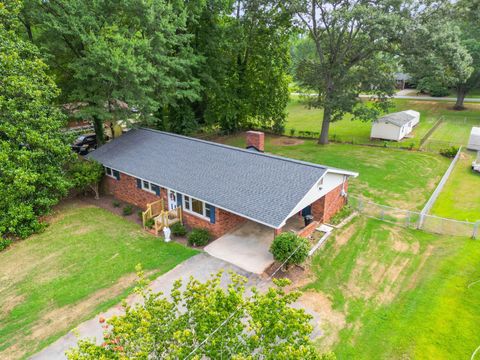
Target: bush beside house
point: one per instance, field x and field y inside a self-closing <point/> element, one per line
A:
<point x="199" y="237"/>
<point x="284" y="249"/>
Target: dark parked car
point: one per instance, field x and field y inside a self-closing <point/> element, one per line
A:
<point x="84" y="144"/>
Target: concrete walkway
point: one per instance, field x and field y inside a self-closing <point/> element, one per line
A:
<point x="200" y="266"/>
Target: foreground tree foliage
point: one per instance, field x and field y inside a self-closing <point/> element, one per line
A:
<point x="32" y="149"/>
<point x="354" y="42"/>
<point x="191" y="324"/>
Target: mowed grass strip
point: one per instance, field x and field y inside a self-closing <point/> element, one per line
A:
<point x="460" y="197"/>
<point x="395" y="293"/>
<point x="398" y="178"/>
<point x="83" y="263"/>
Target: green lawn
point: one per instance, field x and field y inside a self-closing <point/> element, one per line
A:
<point x="82" y="264"/>
<point x="455" y="128"/>
<point x="398" y="178"/>
<point x="394" y="293"/>
<point x="460" y="198"/>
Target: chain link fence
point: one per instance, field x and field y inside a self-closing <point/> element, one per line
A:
<point x="415" y="220"/>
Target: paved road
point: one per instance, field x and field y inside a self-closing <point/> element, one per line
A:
<point x="409" y="97"/>
<point x="200" y="266"/>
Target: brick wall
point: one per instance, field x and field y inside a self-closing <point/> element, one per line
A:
<point x="309" y="229"/>
<point x="126" y="190"/>
<point x="224" y="222"/>
<point x="324" y="208"/>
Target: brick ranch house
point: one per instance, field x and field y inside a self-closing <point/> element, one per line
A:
<point x="217" y="186"/>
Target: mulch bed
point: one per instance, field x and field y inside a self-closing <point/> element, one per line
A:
<point x="294" y="272"/>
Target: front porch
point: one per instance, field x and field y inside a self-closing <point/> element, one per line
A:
<point x="160" y="217"/>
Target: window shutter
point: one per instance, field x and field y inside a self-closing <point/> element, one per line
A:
<point x="156" y="188"/>
<point x="179" y="199"/>
<point x="116" y="174"/>
<point x="212" y="213"/>
<point x="139" y="183"/>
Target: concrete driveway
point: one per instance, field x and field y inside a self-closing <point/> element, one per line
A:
<point x="246" y="247"/>
<point x="200" y="266"/>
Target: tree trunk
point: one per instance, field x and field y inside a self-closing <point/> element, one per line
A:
<point x="327" y="114"/>
<point x="461" y="93"/>
<point x="99" y="131"/>
<point x="94" y="187"/>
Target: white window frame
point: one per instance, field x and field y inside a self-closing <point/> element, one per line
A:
<point x="111" y="172"/>
<point x="149" y="188"/>
<point x="189" y="210"/>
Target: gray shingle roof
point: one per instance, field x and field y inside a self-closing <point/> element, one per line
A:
<point x="399" y="118"/>
<point x="262" y="187"/>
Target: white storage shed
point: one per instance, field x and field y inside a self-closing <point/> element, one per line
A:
<point x="474" y="141"/>
<point x="395" y="126"/>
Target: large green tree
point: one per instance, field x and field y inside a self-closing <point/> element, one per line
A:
<point x="435" y="54"/>
<point x="467" y="13"/>
<point x="244" y="75"/>
<point x="355" y="43"/>
<point x="206" y="321"/>
<point x="109" y="53"/>
<point x="32" y="149"/>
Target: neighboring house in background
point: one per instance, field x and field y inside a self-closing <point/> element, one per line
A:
<point x="217" y="186"/>
<point x="474" y="141"/>
<point x="401" y="80"/>
<point x="395" y="126"/>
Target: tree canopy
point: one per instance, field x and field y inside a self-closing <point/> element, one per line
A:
<point x="181" y="65"/>
<point x="354" y="43"/>
<point x="204" y="320"/>
<point x="435" y="54"/>
<point x="33" y="151"/>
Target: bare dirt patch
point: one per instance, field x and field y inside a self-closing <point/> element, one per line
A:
<point x="378" y="280"/>
<point x="345" y="235"/>
<point x="330" y="320"/>
<point x="8" y="303"/>
<point x="286" y="141"/>
<point x="414" y="279"/>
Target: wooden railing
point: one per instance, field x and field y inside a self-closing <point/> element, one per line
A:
<point x="167" y="218"/>
<point x="153" y="210"/>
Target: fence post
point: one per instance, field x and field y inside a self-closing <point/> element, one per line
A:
<point x="475" y="230"/>
<point x="420" y="221"/>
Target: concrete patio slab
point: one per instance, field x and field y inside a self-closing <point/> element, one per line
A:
<point x="246" y="247"/>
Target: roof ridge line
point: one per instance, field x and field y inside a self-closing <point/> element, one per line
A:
<point x="318" y="166"/>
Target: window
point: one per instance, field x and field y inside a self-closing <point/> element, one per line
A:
<point x="112" y="173"/>
<point x="196" y="206"/>
<point x="187" y="205"/>
<point x="150" y="187"/>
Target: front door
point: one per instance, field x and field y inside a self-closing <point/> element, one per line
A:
<point x="172" y="200"/>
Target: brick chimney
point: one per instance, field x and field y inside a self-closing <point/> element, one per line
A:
<point x="256" y="140"/>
